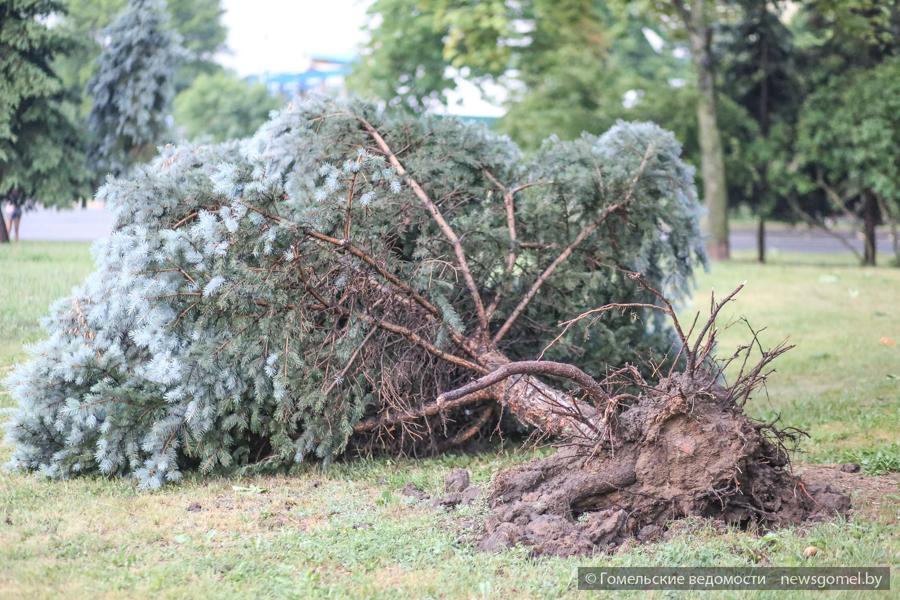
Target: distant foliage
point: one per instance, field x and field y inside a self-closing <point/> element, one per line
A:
<point x="222" y="106"/>
<point x="133" y="86"/>
<point x="40" y="139"/>
<point x="850" y="129"/>
<point x="231" y="321"/>
<point x="199" y="22"/>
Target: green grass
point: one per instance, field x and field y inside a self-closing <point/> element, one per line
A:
<point x="345" y="530"/>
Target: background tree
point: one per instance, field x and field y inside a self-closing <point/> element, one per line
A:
<point x="846" y="147"/>
<point x="848" y="137"/>
<point x="40" y="141"/>
<point x="556" y="50"/>
<point x="133" y="86"/>
<point x="203" y="35"/>
<point x="222" y="106"/>
<point x="405" y="62"/>
<point x="583" y="67"/>
<point x="199" y="22"/>
<point x="759" y="74"/>
<point x="697" y="20"/>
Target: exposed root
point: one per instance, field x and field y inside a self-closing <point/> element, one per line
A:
<point x="694" y="456"/>
<point x="682" y="447"/>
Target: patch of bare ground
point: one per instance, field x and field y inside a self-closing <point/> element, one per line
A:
<point x="873" y="497"/>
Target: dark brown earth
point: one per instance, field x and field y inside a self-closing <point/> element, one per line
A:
<point x="672" y="457"/>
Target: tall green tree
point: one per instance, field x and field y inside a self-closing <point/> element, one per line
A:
<point x="582" y="61"/>
<point x="559" y="51"/>
<point x="846" y="146"/>
<point x="40" y="156"/>
<point x="222" y="106"/>
<point x="758" y="72"/>
<point x="133" y="86"/>
<point x="199" y="22"/>
<point x="697" y="21"/>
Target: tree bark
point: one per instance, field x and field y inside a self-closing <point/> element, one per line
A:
<point x="712" y="160"/>
<point x="763" y="118"/>
<point x="870" y="221"/>
<point x="516" y="387"/>
<point x="761" y="239"/>
<point x="552" y="411"/>
<point x="4" y="234"/>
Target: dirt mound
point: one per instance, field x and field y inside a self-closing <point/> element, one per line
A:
<point x="673" y="454"/>
<point x="875" y="497"/>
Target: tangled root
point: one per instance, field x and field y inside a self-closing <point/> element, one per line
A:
<point x="676" y="455"/>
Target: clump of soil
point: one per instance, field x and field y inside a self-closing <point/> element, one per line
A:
<point x="676" y="452"/>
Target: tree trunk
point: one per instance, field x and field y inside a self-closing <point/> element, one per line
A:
<point x="761" y="239"/>
<point x="4" y="234"/>
<point x="517" y="388"/>
<point x="763" y="118"/>
<point x="712" y="160"/>
<point x="896" y="238"/>
<point x="870" y="221"/>
<point x="889" y="216"/>
<point x="550" y="410"/>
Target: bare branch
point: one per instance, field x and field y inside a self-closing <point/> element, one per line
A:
<point x="427" y="410"/>
<point x="529" y="367"/>
<point x="410" y="335"/>
<point x="509" y="204"/>
<point x="345" y="245"/>
<point x="350" y="361"/>
<point x="567" y="325"/>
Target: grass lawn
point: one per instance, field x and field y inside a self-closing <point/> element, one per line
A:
<point x="345" y="530"/>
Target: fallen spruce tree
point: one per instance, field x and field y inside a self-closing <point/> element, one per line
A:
<point x="351" y="280"/>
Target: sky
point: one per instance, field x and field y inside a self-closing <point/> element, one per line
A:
<point x="280" y="36"/>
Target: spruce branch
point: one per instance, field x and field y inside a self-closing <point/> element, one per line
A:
<point x="442" y="223"/>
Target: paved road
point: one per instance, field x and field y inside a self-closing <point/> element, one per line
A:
<point x="804" y="239"/>
<point x="95" y="222"/>
<point x="78" y="224"/>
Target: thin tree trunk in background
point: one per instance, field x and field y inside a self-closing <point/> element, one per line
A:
<point x="896" y="239"/>
<point x="889" y="216"/>
<point x="761" y="239"/>
<point x="763" y="117"/>
<point x="4" y="234"/>
<point x="715" y="194"/>
<point x="870" y="221"/>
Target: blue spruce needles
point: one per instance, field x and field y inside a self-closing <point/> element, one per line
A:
<point x="312" y="290"/>
<point x="133" y="87"/>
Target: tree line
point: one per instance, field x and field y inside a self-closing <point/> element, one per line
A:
<point x="790" y="109"/>
<point x="91" y="86"/>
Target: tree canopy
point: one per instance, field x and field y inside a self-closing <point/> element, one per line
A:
<point x="133" y="86"/>
<point x="221" y="106"/>
<point x="40" y="138"/>
<point x="199" y="22"/>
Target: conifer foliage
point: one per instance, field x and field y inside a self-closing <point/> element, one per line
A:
<point x="133" y="86"/>
<point x="324" y="286"/>
<point x="39" y="136"/>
